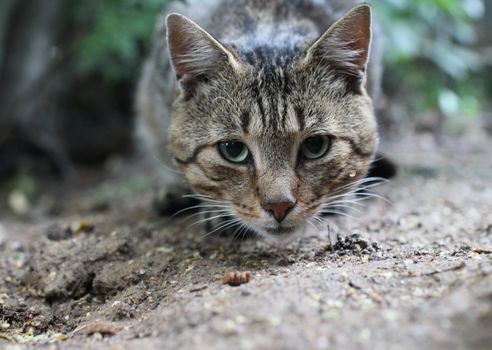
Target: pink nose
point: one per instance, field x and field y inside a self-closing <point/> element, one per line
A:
<point x="279" y="210"/>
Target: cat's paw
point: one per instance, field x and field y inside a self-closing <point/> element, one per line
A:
<point x="168" y="200"/>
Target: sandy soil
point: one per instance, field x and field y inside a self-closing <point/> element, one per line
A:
<point x="415" y="273"/>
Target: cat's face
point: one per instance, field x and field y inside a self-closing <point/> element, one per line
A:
<point x="271" y="145"/>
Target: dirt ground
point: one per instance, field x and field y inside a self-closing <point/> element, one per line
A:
<point x="103" y="272"/>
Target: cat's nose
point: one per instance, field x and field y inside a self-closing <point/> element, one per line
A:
<point x="279" y="209"/>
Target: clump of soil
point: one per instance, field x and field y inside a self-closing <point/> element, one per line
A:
<point x="354" y="244"/>
<point x="69" y="269"/>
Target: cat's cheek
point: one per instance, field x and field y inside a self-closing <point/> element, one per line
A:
<point x="317" y="178"/>
<point x="245" y="211"/>
<point x="200" y="185"/>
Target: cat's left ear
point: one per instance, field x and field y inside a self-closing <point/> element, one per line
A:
<point x="345" y="46"/>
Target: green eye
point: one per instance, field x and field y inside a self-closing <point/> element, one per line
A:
<point x="234" y="152"/>
<point x="315" y="147"/>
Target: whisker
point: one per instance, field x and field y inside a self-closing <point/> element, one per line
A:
<point x="206" y="199"/>
<point x="360" y="193"/>
<point x="196" y="195"/>
<point x="376" y="180"/>
<point x="317" y="221"/>
<point x="350" y="203"/>
<point x="199" y="206"/>
<point x="236" y="231"/>
<point x="227" y="224"/>
<point x="241" y="230"/>
<point x="371" y="185"/>
<point x="329" y="206"/>
<point x="206" y="212"/>
<point x="348" y="200"/>
<point x="368" y="182"/>
<point x="338" y="213"/>
<point x="221" y="215"/>
<point x="218" y="227"/>
<point x="368" y="195"/>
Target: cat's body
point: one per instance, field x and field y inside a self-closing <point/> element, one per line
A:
<point x="264" y="81"/>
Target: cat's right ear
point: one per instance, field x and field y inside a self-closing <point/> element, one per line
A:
<point x="195" y="54"/>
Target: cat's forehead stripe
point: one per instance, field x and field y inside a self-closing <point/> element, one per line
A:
<point x="299" y="113"/>
<point x="271" y="89"/>
<point x="245" y="120"/>
<point x="259" y="103"/>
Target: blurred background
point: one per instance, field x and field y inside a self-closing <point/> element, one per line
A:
<point x="68" y="71"/>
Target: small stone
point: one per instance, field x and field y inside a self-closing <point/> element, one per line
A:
<point x="16" y="246"/>
<point x="60" y="336"/>
<point x="57" y="233"/>
<point x="18" y="203"/>
<point x="3" y="235"/>
<point x="98" y="329"/>
<point x="81" y="226"/>
<point x="245" y="293"/>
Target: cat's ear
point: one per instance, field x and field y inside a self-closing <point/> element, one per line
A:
<point x="195" y="54"/>
<point x="345" y="46"/>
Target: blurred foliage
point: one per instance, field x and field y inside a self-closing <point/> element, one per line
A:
<point x="116" y="35"/>
<point x="119" y="189"/>
<point x="431" y="48"/>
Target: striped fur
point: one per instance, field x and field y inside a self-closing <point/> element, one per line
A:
<point x="269" y="74"/>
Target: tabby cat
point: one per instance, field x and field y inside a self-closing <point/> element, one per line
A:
<point x="264" y="107"/>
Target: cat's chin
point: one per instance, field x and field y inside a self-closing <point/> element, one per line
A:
<point x="281" y="234"/>
<point x="281" y="231"/>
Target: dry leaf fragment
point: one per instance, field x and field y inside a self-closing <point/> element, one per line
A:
<point x="236" y="278"/>
<point x="198" y="289"/>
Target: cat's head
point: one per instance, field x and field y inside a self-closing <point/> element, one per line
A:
<point x="272" y="138"/>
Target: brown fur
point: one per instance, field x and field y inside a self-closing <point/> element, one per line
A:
<point x="269" y="75"/>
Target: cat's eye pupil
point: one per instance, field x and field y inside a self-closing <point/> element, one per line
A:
<point x="315" y="147"/>
<point x="314" y="144"/>
<point x="234" y="151"/>
<point x="234" y="148"/>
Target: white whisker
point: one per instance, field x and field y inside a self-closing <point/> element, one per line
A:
<point x="222" y="226"/>
<point x="337" y="213"/>
<point x="206" y="212"/>
<point x="341" y="206"/>
<point x="375" y="180"/>
<point x="316" y="221"/>
<point x="347" y="200"/>
<point x="221" y="215"/>
<point x="368" y="195"/>
<point x="199" y="206"/>
<point x="206" y="200"/>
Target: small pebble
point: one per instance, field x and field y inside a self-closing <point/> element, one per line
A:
<point x="3" y="235"/>
<point x="18" y="203"/>
<point x="16" y="246"/>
